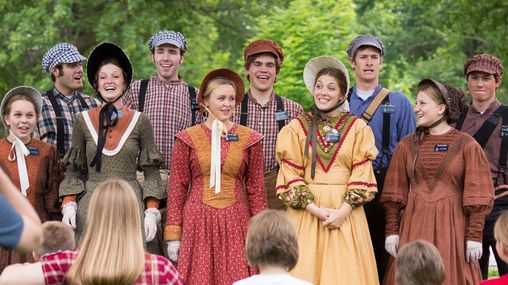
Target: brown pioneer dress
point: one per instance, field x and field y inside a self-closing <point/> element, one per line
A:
<point x="44" y="174"/>
<point x="446" y="203"/>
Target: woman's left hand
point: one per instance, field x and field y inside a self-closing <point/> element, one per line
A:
<point x="337" y="216"/>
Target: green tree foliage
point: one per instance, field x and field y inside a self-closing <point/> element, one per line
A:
<point x="423" y="39"/>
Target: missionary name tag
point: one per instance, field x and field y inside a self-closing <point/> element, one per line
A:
<point x="441" y="147"/>
<point x="33" y="150"/>
<point x="388" y="109"/>
<point x="231" y="137"/>
<point x="281" y="116"/>
<point x="333" y="136"/>
<point x="504" y="131"/>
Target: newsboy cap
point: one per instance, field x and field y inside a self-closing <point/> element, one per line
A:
<point x="61" y="53"/>
<point x="485" y="63"/>
<point x="364" y="40"/>
<point x="168" y="37"/>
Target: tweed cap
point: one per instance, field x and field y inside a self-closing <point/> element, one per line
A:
<point x="364" y="40"/>
<point x="484" y="63"/>
<point x="22" y="90"/>
<point x="61" y="53"/>
<point x="168" y="37"/>
<point x="261" y="46"/>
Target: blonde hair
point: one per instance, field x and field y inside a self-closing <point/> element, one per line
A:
<point x="501" y="229"/>
<point x="56" y="236"/>
<point x="216" y="82"/>
<point x="271" y="240"/>
<point x="419" y="263"/>
<point x="112" y="248"/>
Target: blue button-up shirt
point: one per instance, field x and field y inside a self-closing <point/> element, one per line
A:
<point x="402" y="122"/>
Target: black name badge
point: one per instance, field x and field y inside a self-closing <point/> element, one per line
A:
<point x="33" y="150"/>
<point x="332" y="137"/>
<point x="441" y="147"/>
<point x="231" y="137"/>
<point x="504" y="131"/>
<point x="388" y="109"/>
<point x="281" y="116"/>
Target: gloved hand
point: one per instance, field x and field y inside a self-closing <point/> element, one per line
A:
<point x="152" y="217"/>
<point x="474" y="251"/>
<point x="392" y="244"/>
<point x="69" y="214"/>
<point x="173" y="248"/>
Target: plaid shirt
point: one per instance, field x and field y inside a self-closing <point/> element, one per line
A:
<point x="56" y="265"/>
<point x="47" y="128"/>
<point x="168" y="107"/>
<point x="262" y="119"/>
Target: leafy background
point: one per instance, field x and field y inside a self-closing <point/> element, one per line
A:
<point x="423" y="38"/>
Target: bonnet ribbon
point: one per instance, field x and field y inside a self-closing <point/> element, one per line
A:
<point x="19" y="153"/>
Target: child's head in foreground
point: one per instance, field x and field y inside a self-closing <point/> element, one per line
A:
<point x="419" y="263"/>
<point x="56" y="236"/>
<point x="271" y="241"/>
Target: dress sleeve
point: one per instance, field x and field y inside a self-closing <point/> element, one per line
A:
<point x="55" y="176"/>
<point x="75" y="161"/>
<point x="178" y="185"/>
<point x="292" y="190"/>
<point x="478" y="194"/>
<point x="255" y="185"/>
<point x="362" y="184"/>
<point x="150" y="161"/>
<point x="396" y="188"/>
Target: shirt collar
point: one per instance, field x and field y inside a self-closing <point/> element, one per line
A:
<point x="492" y="107"/>
<point x="63" y="97"/>
<point x="272" y="98"/>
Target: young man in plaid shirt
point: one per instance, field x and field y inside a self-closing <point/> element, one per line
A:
<point x="63" y="102"/>
<point x="166" y="99"/>
<point x="262" y="109"/>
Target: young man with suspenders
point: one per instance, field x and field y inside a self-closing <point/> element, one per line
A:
<point x="63" y="102"/>
<point x="170" y="104"/>
<point x="487" y="121"/>
<point x="391" y="117"/>
<point x="262" y="109"/>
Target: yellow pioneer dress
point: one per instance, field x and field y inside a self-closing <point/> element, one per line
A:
<point x="343" y="174"/>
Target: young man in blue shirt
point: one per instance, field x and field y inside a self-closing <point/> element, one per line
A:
<point x="391" y="117"/>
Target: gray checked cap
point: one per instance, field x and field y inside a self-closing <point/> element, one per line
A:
<point x="168" y="37"/>
<point x="365" y="40"/>
<point x="61" y="53"/>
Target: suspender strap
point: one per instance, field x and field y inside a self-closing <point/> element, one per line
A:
<point x="371" y="109"/>
<point x="460" y="120"/>
<point x="142" y="93"/>
<point x="385" y="141"/>
<point x="280" y="108"/>
<point x="243" y="110"/>
<point x="83" y="102"/>
<point x="60" y="146"/>
<point x="485" y="131"/>
<point x="503" y="153"/>
<point x="193" y="102"/>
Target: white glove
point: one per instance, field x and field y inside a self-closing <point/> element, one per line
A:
<point x="152" y="217"/>
<point x="173" y="248"/>
<point x="474" y="251"/>
<point x="392" y="244"/>
<point x="69" y="214"/>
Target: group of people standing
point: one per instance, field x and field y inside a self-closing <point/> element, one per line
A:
<point x="359" y="175"/>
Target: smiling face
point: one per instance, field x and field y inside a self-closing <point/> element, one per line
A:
<point x="427" y="109"/>
<point x="20" y="116"/>
<point x="221" y="102"/>
<point x="326" y="92"/>
<point x="110" y="82"/>
<point x="262" y="72"/>
<point x="167" y="59"/>
<point x="68" y="78"/>
<point x="366" y="64"/>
